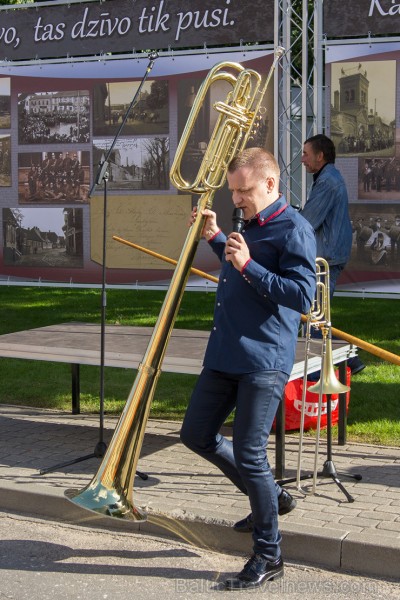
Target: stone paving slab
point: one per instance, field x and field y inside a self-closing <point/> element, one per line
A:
<point x="187" y="497"/>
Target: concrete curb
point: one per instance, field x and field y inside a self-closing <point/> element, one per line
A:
<point x="376" y="556"/>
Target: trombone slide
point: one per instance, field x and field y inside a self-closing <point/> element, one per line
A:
<point x="319" y="316"/>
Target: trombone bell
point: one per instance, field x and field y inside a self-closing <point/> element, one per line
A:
<point x="329" y="383"/>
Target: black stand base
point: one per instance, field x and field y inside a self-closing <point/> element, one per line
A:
<point x="99" y="452"/>
<point x="67" y="464"/>
<point x="100" y="449"/>
<point x="328" y="470"/>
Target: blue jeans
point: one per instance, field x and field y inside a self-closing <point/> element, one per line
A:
<point x="256" y="397"/>
<point x="334" y="272"/>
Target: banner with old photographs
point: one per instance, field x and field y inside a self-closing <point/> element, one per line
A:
<point x="56" y="131"/>
<point x="363" y="118"/>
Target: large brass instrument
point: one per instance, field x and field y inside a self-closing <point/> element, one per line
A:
<point x="111" y="490"/>
<point x="319" y="317"/>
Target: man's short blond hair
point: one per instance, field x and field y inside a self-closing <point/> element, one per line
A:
<point x="259" y="160"/>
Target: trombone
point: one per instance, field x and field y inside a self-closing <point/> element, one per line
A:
<point x="111" y="490"/>
<point x="319" y="317"/>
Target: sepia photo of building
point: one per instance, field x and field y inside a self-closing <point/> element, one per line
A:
<point x="53" y="117"/>
<point x="5" y="103"/>
<point x="134" y="163"/>
<point x="43" y="237"/>
<point x="363" y="108"/>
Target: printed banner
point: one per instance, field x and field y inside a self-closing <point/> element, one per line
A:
<point x="88" y="28"/>
<point x="365" y="130"/>
<point x="361" y="17"/>
<point x="62" y="130"/>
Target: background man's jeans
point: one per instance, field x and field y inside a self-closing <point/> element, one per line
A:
<point x="256" y="397"/>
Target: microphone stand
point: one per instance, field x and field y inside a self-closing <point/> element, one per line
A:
<point x="102" y="177"/>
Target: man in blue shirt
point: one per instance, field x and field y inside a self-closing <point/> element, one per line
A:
<point x="327" y="209"/>
<point x="267" y="279"/>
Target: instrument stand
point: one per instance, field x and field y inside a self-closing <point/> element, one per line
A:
<point x="102" y="177"/>
<point x="328" y="469"/>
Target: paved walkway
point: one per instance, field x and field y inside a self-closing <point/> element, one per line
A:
<point x="187" y="497"/>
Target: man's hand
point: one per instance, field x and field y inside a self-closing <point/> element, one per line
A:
<point x="237" y="251"/>
<point x="210" y="224"/>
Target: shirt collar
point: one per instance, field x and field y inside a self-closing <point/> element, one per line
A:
<point x="318" y="173"/>
<point x="272" y="211"/>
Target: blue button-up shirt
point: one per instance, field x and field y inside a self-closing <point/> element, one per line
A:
<point x="257" y="311"/>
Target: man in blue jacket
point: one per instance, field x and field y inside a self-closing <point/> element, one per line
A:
<point x="267" y="279"/>
<point x="327" y="209"/>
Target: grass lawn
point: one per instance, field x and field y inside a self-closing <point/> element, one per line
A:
<point x="374" y="413"/>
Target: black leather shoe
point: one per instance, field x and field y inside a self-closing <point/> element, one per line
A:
<point x="286" y="504"/>
<point x="255" y="572"/>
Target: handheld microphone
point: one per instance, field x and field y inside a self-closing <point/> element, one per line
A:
<point x="238" y="220"/>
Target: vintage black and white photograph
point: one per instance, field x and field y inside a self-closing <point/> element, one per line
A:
<point x="148" y="116"/>
<point x="43" y="237"/>
<point x="363" y="104"/>
<point x="134" y="163"/>
<point x="5" y="103"/>
<point x="5" y="160"/>
<point x="54" y="117"/>
<point x="53" y="177"/>
<point x="379" y="179"/>
<point x="376" y="237"/>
